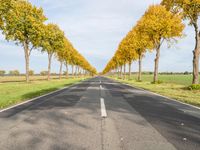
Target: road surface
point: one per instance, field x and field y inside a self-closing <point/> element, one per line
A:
<point x="100" y="114"/>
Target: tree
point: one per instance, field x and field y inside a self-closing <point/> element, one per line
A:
<point x="142" y="43"/>
<point x="68" y="56"/>
<point x="44" y="73"/>
<point x="120" y="61"/>
<point x="53" y="41"/>
<point x="121" y="51"/>
<point x="62" y="55"/>
<point x="128" y="48"/>
<point x="161" y="25"/>
<point x="31" y="72"/>
<point x="14" y="72"/>
<point x="190" y="10"/>
<point x="23" y="25"/>
<point x="2" y="72"/>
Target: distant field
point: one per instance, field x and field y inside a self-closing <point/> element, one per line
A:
<point x="15" y="92"/>
<point x="177" y="79"/>
<point x="22" y="78"/>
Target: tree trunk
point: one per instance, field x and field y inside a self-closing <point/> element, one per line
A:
<point x="196" y="54"/>
<point x="124" y="72"/>
<point x="155" y="79"/>
<point x="121" y="71"/>
<point x="129" y="71"/>
<point x="72" y="70"/>
<point x="80" y="72"/>
<point x="27" y="56"/>
<point x="118" y="71"/>
<point x="78" y="69"/>
<point x="75" y="71"/>
<point x="61" y="64"/>
<point x="140" y="68"/>
<point x="83" y="73"/>
<point x="49" y="66"/>
<point x="67" y="73"/>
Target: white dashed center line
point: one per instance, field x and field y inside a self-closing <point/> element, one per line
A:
<point x="103" y="108"/>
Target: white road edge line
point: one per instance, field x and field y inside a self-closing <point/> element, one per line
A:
<point x="33" y="99"/>
<point x="103" y="108"/>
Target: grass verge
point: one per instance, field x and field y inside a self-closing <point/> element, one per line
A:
<point x="179" y="92"/>
<point x="185" y="80"/>
<point x="16" y="92"/>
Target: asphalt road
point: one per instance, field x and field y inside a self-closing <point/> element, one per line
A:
<point x="75" y="119"/>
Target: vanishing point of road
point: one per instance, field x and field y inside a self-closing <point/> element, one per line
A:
<point x="100" y="114"/>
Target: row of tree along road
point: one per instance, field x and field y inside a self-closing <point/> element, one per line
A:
<point x="24" y="24"/>
<point x="160" y="23"/>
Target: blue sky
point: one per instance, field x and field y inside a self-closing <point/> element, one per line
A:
<point x="95" y="27"/>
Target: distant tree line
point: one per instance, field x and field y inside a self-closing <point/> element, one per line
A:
<point x="31" y="73"/>
<point x="161" y="73"/>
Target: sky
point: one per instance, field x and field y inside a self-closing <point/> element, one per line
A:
<point x="95" y="28"/>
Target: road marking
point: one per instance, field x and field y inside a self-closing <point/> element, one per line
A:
<point x="100" y="81"/>
<point x="184" y="139"/>
<point x="101" y="87"/>
<point x="103" y="108"/>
